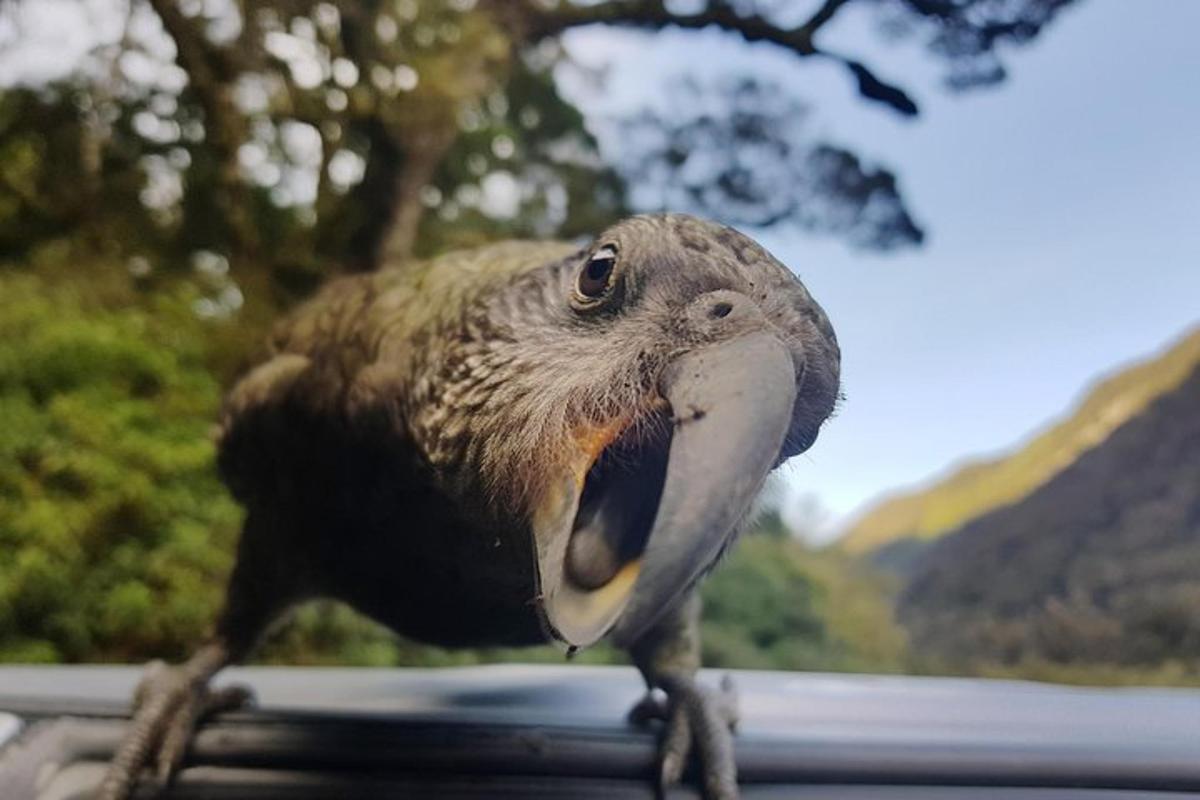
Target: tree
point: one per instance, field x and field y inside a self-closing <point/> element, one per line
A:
<point x="294" y="137"/>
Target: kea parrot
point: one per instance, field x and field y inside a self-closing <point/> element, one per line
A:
<point x="519" y="443"/>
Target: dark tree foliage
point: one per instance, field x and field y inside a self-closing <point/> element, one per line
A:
<point x="295" y="137"/>
<point x="741" y="152"/>
<point x="968" y="34"/>
<point x="55" y="182"/>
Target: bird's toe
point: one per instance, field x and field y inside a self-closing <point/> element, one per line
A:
<point x="698" y="721"/>
<point x="168" y="705"/>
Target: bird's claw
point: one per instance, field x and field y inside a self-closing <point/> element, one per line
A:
<point x="168" y="704"/>
<point x="698" y="719"/>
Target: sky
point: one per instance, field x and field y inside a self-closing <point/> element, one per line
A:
<point x="1063" y="217"/>
<point x="1061" y="207"/>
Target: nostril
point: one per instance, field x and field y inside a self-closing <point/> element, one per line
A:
<point x="720" y="310"/>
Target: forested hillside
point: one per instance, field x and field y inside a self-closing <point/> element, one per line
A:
<point x="1099" y="566"/>
<point x="894" y="529"/>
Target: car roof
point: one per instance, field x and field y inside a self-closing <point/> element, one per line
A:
<point x="531" y="724"/>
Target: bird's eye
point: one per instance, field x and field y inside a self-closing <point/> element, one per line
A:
<point x="596" y="275"/>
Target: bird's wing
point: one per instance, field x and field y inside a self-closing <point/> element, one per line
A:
<point x="342" y="349"/>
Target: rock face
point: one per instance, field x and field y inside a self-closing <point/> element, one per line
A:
<point x="894" y="532"/>
<point x="1100" y="564"/>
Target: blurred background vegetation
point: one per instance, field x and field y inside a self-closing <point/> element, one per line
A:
<point x="209" y="163"/>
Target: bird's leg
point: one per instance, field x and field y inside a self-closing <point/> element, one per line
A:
<point x="697" y="718"/>
<point x="171" y="700"/>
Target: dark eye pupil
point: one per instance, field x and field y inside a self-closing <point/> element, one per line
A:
<point x="594" y="280"/>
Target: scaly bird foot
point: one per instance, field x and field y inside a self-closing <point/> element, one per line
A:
<point x="696" y="717"/>
<point x="168" y="704"/>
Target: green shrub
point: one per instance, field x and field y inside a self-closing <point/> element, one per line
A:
<point x="775" y="604"/>
<point x="115" y="530"/>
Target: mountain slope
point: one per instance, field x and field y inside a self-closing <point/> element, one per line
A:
<point x="1099" y="565"/>
<point x="982" y="486"/>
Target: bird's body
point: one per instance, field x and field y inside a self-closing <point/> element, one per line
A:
<point x="514" y="444"/>
<point x="320" y="432"/>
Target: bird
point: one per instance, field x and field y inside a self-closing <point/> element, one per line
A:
<point x="524" y="442"/>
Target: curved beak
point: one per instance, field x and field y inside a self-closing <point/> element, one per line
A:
<point x="618" y="550"/>
<point x="732" y="406"/>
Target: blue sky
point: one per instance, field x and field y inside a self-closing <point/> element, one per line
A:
<point x="1064" y="222"/>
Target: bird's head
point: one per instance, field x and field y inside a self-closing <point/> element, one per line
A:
<point x="631" y="400"/>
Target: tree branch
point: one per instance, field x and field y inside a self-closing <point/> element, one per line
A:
<point x="823" y="15"/>
<point x="541" y="22"/>
<point x="536" y="22"/>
